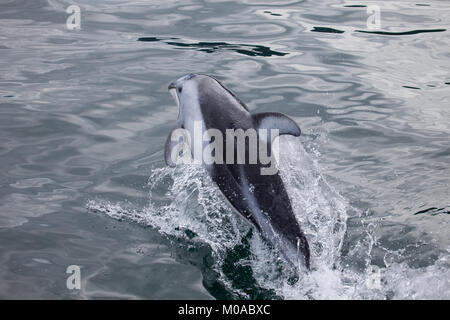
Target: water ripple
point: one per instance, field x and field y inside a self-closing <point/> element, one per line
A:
<point x="401" y="33"/>
<point x="210" y="47"/>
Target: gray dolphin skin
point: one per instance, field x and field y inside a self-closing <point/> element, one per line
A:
<point x="262" y="199"/>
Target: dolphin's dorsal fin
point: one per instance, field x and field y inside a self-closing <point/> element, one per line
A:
<point x="276" y="120"/>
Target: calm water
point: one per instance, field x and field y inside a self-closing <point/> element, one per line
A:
<point x="84" y="115"/>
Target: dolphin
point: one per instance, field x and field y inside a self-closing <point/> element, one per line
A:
<point x="205" y="104"/>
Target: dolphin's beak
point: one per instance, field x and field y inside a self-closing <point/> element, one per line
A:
<point x="172" y="86"/>
<point x="173" y="91"/>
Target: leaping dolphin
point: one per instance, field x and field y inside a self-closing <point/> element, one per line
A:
<point x="204" y="103"/>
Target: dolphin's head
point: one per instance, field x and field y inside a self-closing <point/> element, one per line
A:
<point x="193" y="89"/>
<point x="185" y="91"/>
<point x="185" y="84"/>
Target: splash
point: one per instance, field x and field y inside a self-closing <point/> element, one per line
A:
<point x="185" y="204"/>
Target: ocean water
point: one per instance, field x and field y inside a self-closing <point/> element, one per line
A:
<point x="84" y="115"/>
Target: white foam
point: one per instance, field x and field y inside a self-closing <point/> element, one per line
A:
<point x="185" y="198"/>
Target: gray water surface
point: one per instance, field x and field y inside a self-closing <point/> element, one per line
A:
<point x="84" y="115"/>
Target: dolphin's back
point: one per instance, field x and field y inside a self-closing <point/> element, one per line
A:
<point x="260" y="198"/>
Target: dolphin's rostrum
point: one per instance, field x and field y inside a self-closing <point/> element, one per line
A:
<point x="204" y="104"/>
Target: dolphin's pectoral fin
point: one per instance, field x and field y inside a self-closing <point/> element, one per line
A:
<point x="275" y="120"/>
<point x="170" y="144"/>
<point x="176" y="141"/>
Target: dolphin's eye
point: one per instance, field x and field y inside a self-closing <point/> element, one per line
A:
<point x="180" y="89"/>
